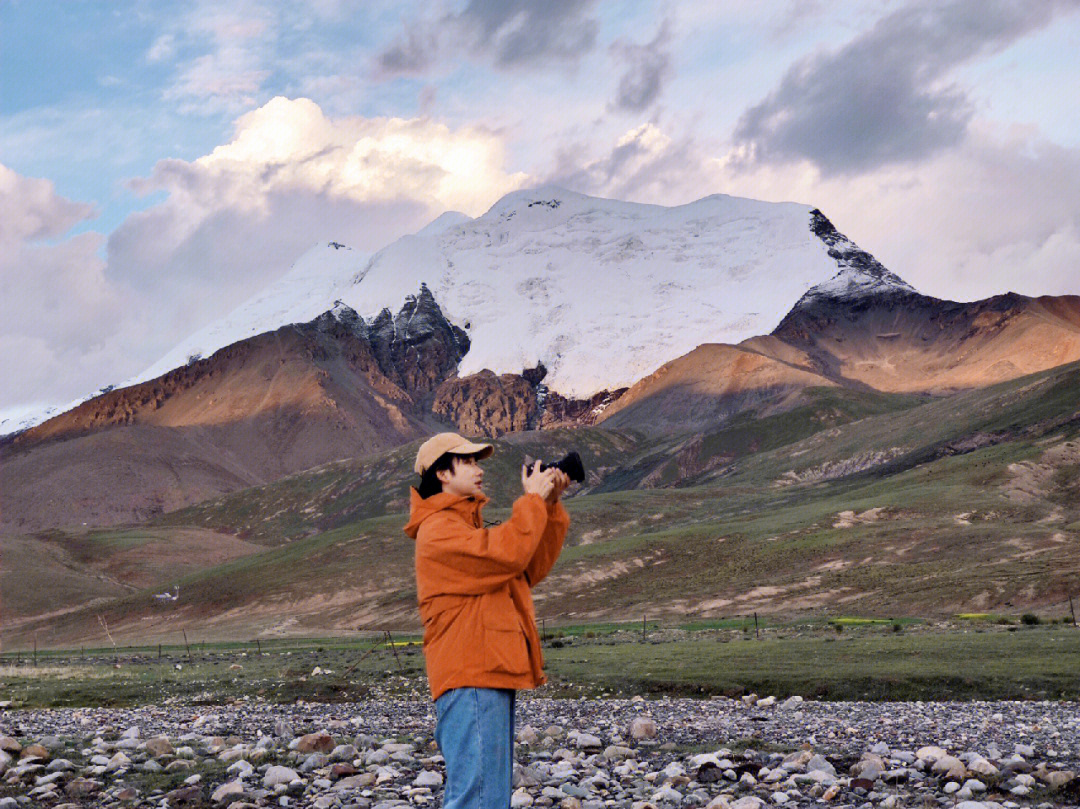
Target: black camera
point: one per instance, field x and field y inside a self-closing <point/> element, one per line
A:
<point x="571" y="465"/>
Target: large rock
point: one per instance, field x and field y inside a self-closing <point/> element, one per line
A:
<point x="320" y="742"/>
<point x="35" y="750"/>
<point x="428" y="778"/>
<point x="9" y="745"/>
<point x="278" y="774"/>
<point x="641" y="727"/>
<point x="185" y="795"/>
<point x="950" y="767"/>
<point x="228" y="793"/>
<point x="159" y="746"/>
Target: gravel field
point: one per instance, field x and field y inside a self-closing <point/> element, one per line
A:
<point x="574" y="754"/>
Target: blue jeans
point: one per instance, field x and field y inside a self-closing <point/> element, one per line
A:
<point x="475" y="732"/>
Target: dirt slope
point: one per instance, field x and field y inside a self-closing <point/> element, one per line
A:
<point x="914" y="343"/>
<point x="708" y="386"/>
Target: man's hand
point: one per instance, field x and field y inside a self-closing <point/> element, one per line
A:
<point x="561" y="481"/>
<point x="541" y="483"/>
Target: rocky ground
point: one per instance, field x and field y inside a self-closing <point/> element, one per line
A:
<point x="572" y="754"/>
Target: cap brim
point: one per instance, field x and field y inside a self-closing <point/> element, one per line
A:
<point x="481" y="451"/>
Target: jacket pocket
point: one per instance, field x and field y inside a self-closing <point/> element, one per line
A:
<point x="505" y="649"/>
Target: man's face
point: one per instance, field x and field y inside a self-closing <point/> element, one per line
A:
<point x="465" y="478"/>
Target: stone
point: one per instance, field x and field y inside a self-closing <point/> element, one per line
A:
<point x="342" y="769"/>
<point x="980" y="766"/>
<point x="320" y="742"/>
<point x="428" y="778"/>
<point x="818" y="763"/>
<point x="278" y="774"/>
<point x="719" y="802"/>
<point x="528" y="735"/>
<point x="159" y="746"/>
<point x="227" y="793"/>
<point x="766" y="702"/>
<point x="614" y="752"/>
<point x="35" y="751"/>
<point x="525" y="776"/>
<point x="9" y="745"/>
<point x="748" y="802"/>
<point x="344" y="752"/>
<point x="182" y="796"/>
<point x="667" y="795"/>
<point x="950" y="766"/>
<point x="241" y="768"/>
<point x="709" y="773"/>
<point x="81" y="787"/>
<point x="1056" y="779"/>
<point x="930" y="753"/>
<point x="587" y="740"/>
<point x="641" y="727"/>
<point x="118" y="762"/>
<point x="131" y="733"/>
<point x="315" y="761"/>
<point x="520" y="799"/>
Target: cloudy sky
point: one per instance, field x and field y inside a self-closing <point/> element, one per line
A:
<point x="160" y="162"/>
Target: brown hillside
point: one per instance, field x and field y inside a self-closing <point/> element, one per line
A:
<point x="253" y="412"/>
<point x="709" y="385"/>
<point x="907" y="342"/>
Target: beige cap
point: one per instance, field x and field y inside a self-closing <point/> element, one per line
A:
<point x="438" y="445"/>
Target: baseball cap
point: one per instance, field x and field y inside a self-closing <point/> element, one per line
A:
<point x="438" y="445"/>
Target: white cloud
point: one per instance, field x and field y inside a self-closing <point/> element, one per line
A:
<point x="162" y="48"/>
<point x="55" y="303"/>
<point x="232" y="221"/>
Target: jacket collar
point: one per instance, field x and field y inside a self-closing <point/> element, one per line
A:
<point x="420" y="508"/>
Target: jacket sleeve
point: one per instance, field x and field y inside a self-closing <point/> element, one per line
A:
<point x="458" y="559"/>
<point x="550" y="546"/>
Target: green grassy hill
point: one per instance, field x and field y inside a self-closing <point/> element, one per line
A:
<point x="864" y="504"/>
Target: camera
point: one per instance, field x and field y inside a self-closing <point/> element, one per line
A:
<point x="571" y="465"/>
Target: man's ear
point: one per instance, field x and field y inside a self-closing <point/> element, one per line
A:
<point x="443" y="475"/>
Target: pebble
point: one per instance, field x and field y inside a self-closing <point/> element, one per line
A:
<point x="592" y="754"/>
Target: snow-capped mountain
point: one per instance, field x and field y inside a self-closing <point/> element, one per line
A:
<point x="600" y="291"/>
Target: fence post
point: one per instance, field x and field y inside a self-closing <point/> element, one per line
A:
<point x="757" y="635"/>
<point x="35" y="651"/>
<point x="393" y="648"/>
<point x="186" y="645"/>
<point x="1071" y="610"/>
<point x="642" y="628"/>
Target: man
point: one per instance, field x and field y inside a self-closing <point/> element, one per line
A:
<point x="474" y="588"/>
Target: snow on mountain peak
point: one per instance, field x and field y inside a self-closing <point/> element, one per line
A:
<point x="602" y="292"/>
<point x="860" y="273"/>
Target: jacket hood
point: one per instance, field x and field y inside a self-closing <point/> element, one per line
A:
<point x="421" y="508"/>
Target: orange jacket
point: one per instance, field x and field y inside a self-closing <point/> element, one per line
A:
<point x="474" y="588"/>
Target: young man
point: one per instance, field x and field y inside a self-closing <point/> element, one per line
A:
<point x="474" y="588"/>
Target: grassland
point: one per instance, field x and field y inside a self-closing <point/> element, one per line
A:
<point x="865" y="661"/>
<point x="877" y="506"/>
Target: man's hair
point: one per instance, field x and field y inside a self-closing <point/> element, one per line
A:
<point x="429" y="481"/>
